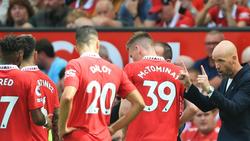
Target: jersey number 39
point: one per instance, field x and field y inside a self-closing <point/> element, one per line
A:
<point x="166" y="97"/>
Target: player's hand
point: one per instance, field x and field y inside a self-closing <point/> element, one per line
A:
<point x="67" y="130"/>
<point x="203" y="80"/>
<point x="49" y="121"/>
<point x="184" y="76"/>
<point x="111" y="130"/>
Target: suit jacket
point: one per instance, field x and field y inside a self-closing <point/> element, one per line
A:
<point x="233" y="104"/>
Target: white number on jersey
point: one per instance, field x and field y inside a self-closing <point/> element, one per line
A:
<point x="12" y="101"/>
<point x="100" y="93"/>
<point x="166" y="97"/>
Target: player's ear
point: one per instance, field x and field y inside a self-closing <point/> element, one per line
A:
<point x="35" y="56"/>
<point x="97" y="45"/>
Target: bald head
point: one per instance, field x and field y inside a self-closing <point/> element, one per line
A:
<point x="225" y="49"/>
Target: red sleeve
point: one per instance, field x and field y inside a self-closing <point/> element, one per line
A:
<point x="243" y="14"/>
<point x="213" y="12"/>
<point x="71" y="77"/>
<point x="35" y="97"/>
<point x="126" y="86"/>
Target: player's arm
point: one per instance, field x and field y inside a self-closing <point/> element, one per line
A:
<point x="38" y="117"/>
<point x="55" y="136"/>
<point x="65" y="108"/>
<point x="137" y="105"/>
<point x="124" y="108"/>
<point x="188" y="112"/>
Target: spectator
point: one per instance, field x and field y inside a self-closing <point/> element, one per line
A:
<point x="77" y="18"/>
<point x="223" y="13"/>
<point x="211" y="40"/>
<point x="4" y="5"/>
<point x="134" y="12"/>
<point x="164" y="14"/>
<point x="37" y="5"/>
<point x="105" y="15"/>
<point x="245" y="56"/>
<point x="19" y="13"/>
<point x="47" y="60"/>
<point x="232" y="98"/>
<point x="204" y="129"/>
<point x="52" y="16"/>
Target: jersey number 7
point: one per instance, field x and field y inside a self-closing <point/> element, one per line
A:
<point x="12" y="101"/>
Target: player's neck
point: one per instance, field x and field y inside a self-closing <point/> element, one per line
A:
<point x="82" y="51"/>
<point x="26" y="63"/>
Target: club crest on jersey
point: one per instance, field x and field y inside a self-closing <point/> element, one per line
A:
<point x="70" y="73"/>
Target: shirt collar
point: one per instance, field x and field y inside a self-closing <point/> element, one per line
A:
<point x="154" y="58"/>
<point x="90" y="54"/>
<point x="30" y="68"/>
<point x="8" y="67"/>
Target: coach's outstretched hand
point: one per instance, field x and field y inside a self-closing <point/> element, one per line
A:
<point x="184" y="77"/>
<point x="203" y="80"/>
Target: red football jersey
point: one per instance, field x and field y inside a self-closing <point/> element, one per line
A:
<point x="18" y="96"/>
<point x="157" y="81"/>
<point x="50" y="100"/>
<point x="97" y="81"/>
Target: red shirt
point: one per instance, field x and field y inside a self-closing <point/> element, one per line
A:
<point x="157" y="81"/>
<point x="97" y="81"/>
<point x="193" y="134"/>
<point x="50" y="100"/>
<point x="239" y="13"/>
<point x="17" y="98"/>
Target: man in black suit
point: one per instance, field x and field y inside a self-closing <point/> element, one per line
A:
<point x="233" y="96"/>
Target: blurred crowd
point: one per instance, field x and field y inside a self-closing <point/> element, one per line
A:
<point x="124" y="13"/>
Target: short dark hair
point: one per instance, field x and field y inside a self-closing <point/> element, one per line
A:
<point x="84" y="34"/>
<point x="44" y="45"/>
<point x="137" y="37"/>
<point x="28" y="43"/>
<point x="167" y="50"/>
<point x="9" y="48"/>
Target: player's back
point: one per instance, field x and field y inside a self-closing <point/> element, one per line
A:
<point x="15" y="103"/>
<point x="50" y="100"/>
<point x="97" y="81"/>
<point x="162" y="92"/>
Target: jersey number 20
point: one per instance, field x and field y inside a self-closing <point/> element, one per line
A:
<point x="151" y="94"/>
<point x="100" y="93"/>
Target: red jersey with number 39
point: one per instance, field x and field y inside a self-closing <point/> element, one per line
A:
<point x="157" y="81"/>
<point x="50" y="100"/>
<point x="97" y="81"/>
<point x="17" y="98"/>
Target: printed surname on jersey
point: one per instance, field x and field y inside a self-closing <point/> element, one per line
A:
<point x="101" y="69"/>
<point x="6" y="82"/>
<point x="149" y="69"/>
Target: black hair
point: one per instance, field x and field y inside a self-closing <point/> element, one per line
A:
<point x="28" y="43"/>
<point x="44" y="45"/>
<point x="10" y="50"/>
<point x="167" y="50"/>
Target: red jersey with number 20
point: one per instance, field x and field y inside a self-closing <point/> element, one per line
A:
<point x="17" y="98"/>
<point x="97" y="81"/>
<point x="50" y="100"/>
<point x="157" y="81"/>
